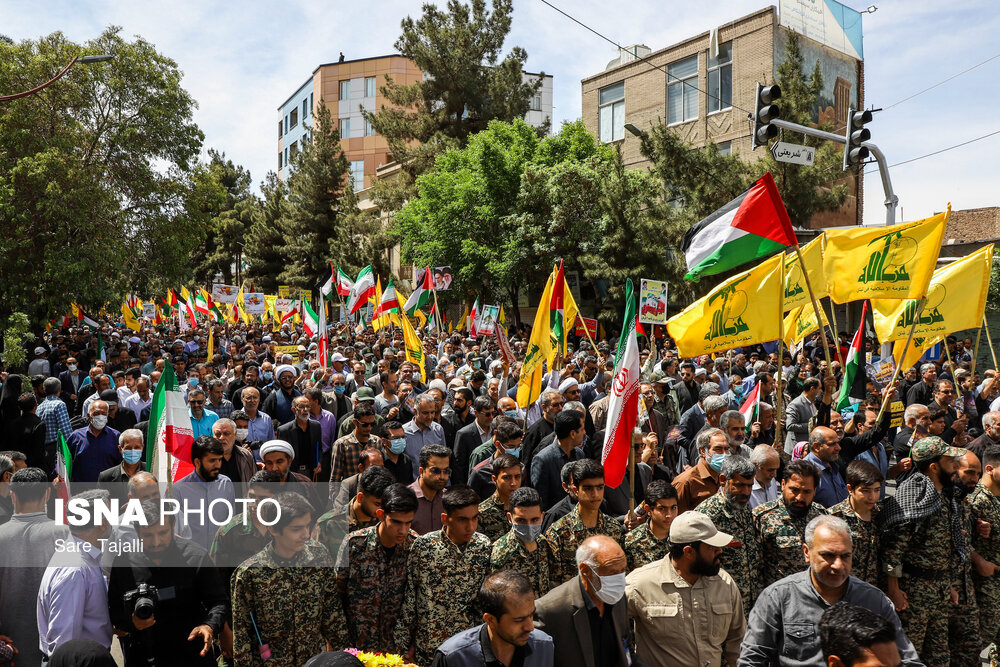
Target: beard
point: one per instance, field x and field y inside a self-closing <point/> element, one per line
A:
<point x="797" y="511"/>
<point x="706" y="568"/>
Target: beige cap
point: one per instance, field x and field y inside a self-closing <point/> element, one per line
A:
<point x="697" y="527"/>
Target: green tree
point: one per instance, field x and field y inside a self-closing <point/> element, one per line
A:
<point x="227" y="213"/>
<point x="467" y="83"/>
<point x="316" y="199"/>
<point x="16" y="331"/>
<point x="93" y="171"/>
<point x="266" y="239"/>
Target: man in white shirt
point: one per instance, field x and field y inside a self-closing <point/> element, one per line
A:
<point x="73" y="596"/>
<point x="138" y="399"/>
<point x="765" y="486"/>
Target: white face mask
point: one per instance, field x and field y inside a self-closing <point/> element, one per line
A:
<point x="612" y="587"/>
<point x="242" y="433"/>
<point x="99" y="421"/>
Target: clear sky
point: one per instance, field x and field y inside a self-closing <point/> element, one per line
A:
<point x="242" y="59"/>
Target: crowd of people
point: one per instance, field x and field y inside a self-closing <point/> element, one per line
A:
<point x="423" y="512"/>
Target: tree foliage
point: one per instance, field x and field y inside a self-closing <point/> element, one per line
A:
<point x="226" y="208"/>
<point x="265" y="240"/>
<point x="93" y="170"/>
<point x="467" y="83"/>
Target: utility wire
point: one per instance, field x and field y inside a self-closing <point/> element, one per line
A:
<point x="943" y="150"/>
<point x="642" y="58"/>
<point x="940" y="83"/>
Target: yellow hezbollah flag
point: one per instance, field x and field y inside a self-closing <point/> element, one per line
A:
<point x="421" y="318"/>
<point x="241" y="306"/>
<point x="883" y="262"/>
<point x="211" y="342"/>
<point x="502" y="318"/>
<point x="915" y="351"/>
<point x="463" y="320"/>
<point x="956" y="300"/>
<point x="796" y="290"/>
<point x="801" y="322"/>
<point x="414" y="350"/>
<point x="744" y="310"/>
<point x="129" y="318"/>
<point x="529" y="385"/>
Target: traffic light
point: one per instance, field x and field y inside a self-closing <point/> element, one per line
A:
<point x="764" y="112"/>
<point x="857" y="133"/>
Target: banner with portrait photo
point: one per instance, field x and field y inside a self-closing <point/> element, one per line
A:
<point x="653" y="302"/>
<point x="224" y="293"/>
<point x="441" y="275"/>
<point x="254" y="303"/>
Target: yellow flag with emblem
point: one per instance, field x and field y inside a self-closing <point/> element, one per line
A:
<point x="894" y="262"/>
<point x="211" y="342"/>
<point x="796" y="290"/>
<point x="129" y="317"/>
<point x="529" y="385"/>
<point x="801" y="322"/>
<point x="744" y="310"/>
<point x="918" y="346"/>
<point x="414" y="350"/>
<point x="956" y="300"/>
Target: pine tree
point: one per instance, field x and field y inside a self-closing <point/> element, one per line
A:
<point x="265" y="242"/>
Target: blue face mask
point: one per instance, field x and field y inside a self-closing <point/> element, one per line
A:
<point x="715" y="463"/>
<point x="514" y="451"/>
<point x="268" y="375"/>
<point x="338" y="389"/>
<point x="397" y="445"/>
<point x="512" y="414"/>
<point x="132" y="456"/>
<point x="192" y="382"/>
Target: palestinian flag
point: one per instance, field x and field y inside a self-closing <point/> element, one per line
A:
<point x="557" y="314"/>
<point x="363" y="288"/>
<point x="171" y="299"/>
<point x="90" y="322"/>
<point x="474" y="319"/>
<point x="752" y="226"/>
<point x="325" y="287"/>
<point x="623" y="406"/>
<point x="639" y="329"/>
<point x="344" y="283"/>
<point x="389" y="302"/>
<point x="751" y="407"/>
<point x="310" y="320"/>
<point x="853" y="390"/>
<point x="421" y="296"/>
<point x="169" y="436"/>
<point x="64" y="467"/>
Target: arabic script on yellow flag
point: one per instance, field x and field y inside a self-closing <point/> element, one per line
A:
<point x="956" y="300"/>
<point x="529" y="385"/>
<point x="796" y="290"/>
<point x="744" y="310"/>
<point x="893" y="262"/>
<point x="918" y="346"/>
<point x="801" y="322"/>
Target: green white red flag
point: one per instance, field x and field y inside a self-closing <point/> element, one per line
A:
<point x="363" y="288"/>
<point x="310" y="320"/>
<point x="344" y="282"/>
<point x="169" y="436"/>
<point x="623" y="406"/>
<point x="854" y="388"/>
<point x="557" y="318"/>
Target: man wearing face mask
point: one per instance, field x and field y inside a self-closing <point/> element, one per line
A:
<point x="702" y="481"/>
<point x="707" y="623"/>
<point x="397" y="461"/>
<point x="596" y="597"/>
<point x="781" y="522"/>
<point x="507" y="435"/>
<point x="115" y="479"/>
<point x="520" y="549"/>
<point x="95" y="446"/>
<point x="337" y="400"/>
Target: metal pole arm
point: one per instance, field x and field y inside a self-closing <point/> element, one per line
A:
<point x="5" y="98"/>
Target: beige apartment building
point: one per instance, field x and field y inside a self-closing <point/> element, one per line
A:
<point x="704" y="86"/>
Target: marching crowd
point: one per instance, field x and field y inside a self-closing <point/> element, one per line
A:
<point x="422" y="512"/>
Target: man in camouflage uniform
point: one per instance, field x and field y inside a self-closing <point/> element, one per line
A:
<point x="444" y="571"/>
<point x="358" y="513"/>
<point x="585" y="519"/>
<point x="647" y="542"/>
<point x="860" y="511"/>
<point x="286" y="595"/>
<point x="493" y="521"/>
<point x="964" y="637"/>
<point x="523" y="548"/>
<point x="781" y="523"/>
<point x="922" y="548"/>
<point x="371" y="571"/>
<point x="984" y="504"/>
<point x="729" y="510"/>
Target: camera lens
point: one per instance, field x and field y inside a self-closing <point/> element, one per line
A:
<point x="143" y="608"/>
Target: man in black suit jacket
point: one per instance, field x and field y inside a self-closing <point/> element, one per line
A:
<point x="577" y="615"/>
<point x="26" y="434"/>
<point x="468" y="438"/>
<point x="71" y="382"/>
<point x="304" y="435"/>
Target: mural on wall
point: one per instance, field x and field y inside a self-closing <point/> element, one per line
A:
<point x="840" y="77"/>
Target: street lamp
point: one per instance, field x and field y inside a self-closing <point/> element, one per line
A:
<point x="85" y="60"/>
<point x="634" y="130"/>
<point x="871" y="10"/>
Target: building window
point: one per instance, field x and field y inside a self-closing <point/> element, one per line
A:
<point x="720" y="79"/>
<point x="281" y="128"/>
<point x="345" y="128"/>
<point x="286" y="156"/>
<point x="725" y="147"/>
<point x="369" y="86"/>
<point x="345" y="89"/>
<point x="293" y="150"/>
<point x="682" y="90"/>
<point x="357" y="174"/>
<point x="369" y="130"/>
<point x="611" y="113"/>
<point x="279" y="160"/>
<point x="294" y="118"/>
<point x="286" y="124"/>
<point x="536" y="102"/>
<point x="305" y="109"/>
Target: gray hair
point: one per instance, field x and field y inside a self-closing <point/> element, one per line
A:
<point x="910" y="414"/>
<point x="226" y="421"/>
<point x="762" y="406"/>
<point x="728" y="416"/>
<point x="51" y="386"/>
<point x="89" y="498"/>
<point x="927" y="367"/>
<point x="130" y="434"/>
<point x="6" y="465"/>
<point x="990" y="418"/>
<point x="287" y="359"/>
<point x="708" y="389"/>
<point x="738" y="465"/>
<point x="424" y="398"/>
<point x="761" y="454"/>
<point x="138" y="479"/>
<point x="548" y="395"/>
<point x="705" y="437"/>
<point x="574" y="405"/>
<point x="714" y="403"/>
<point x="834" y="523"/>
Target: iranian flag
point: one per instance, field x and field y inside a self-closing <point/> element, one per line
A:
<point x="752" y="226"/>
<point x="201" y="304"/>
<point x="101" y="354"/>
<point x="64" y="468"/>
<point x="556" y="312"/>
<point x="310" y="320"/>
<point x="623" y="406"/>
<point x="853" y="390"/>
<point x="187" y="309"/>
<point x="474" y="319"/>
<point x="344" y="283"/>
<point x="363" y="288"/>
<point x="421" y="296"/>
<point x="169" y="436"/>
<point x="751" y="407"/>
<point x="327" y="284"/>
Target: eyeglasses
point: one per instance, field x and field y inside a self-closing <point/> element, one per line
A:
<point x="366" y="424"/>
<point x="441" y="471"/>
<point x="196" y="402"/>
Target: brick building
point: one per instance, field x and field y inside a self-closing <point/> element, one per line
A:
<point x="704" y="86"/>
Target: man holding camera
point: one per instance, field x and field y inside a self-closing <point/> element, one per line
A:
<point x="168" y="597"/>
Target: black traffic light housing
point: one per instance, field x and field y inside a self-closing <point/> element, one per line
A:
<point x="857" y="133"/>
<point x="764" y="112"/>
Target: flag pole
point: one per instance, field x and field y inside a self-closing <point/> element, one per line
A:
<point x="947" y="355"/>
<point x="975" y="355"/>
<point x="989" y="339"/>
<point x="902" y="356"/>
<point x="437" y="308"/>
<point x="833" y="321"/>
<point x="778" y="391"/>
<point x="819" y="317"/>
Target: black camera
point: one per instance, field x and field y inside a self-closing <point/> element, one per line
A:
<point x="140" y="601"/>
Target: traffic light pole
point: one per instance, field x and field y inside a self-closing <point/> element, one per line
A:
<point x="891" y="200"/>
